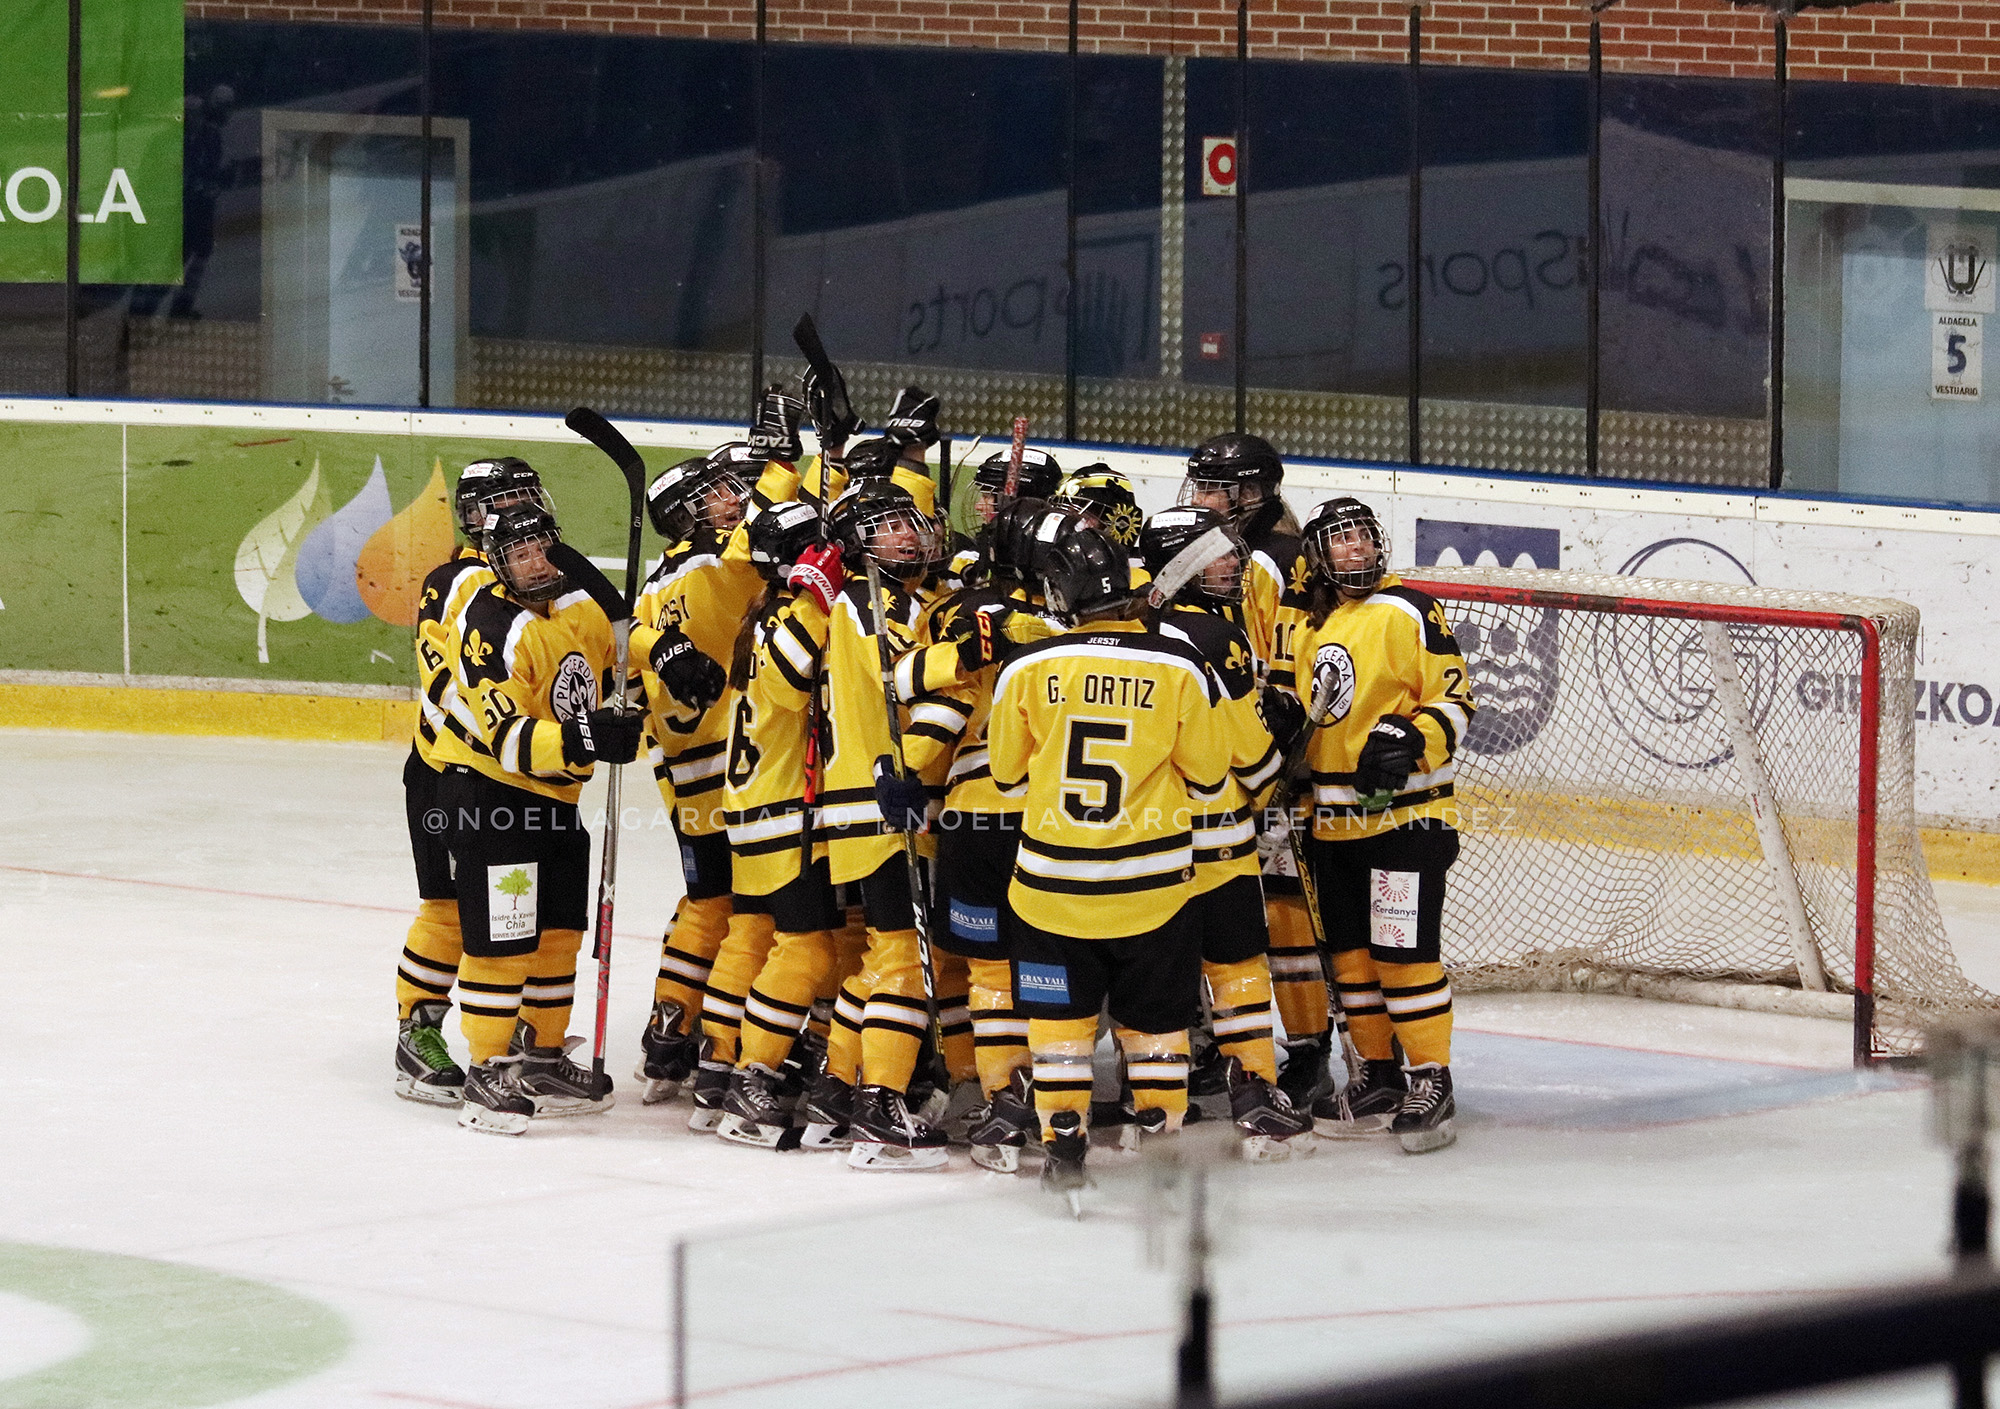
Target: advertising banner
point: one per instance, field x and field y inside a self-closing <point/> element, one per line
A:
<point x="129" y="201"/>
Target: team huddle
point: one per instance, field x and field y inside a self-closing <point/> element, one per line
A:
<point x="948" y="808"/>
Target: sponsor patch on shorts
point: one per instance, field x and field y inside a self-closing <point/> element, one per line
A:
<point x="977" y="924"/>
<point x="690" y="867"/>
<point x="1392" y="909"/>
<point x="1042" y="983"/>
<point x="510" y="901"/>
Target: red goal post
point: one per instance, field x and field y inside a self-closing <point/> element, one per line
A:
<point x="1694" y="791"/>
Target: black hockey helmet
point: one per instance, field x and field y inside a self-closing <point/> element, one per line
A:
<point x="881" y="520"/>
<point x="1105" y="498"/>
<point x="516" y="542"/>
<point x="1038" y="479"/>
<point x="1085" y="576"/>
<point x="1238" y="474"/>
<point x="707" y="491"/>
<point x="1334" y="525"/>
<point x="876" y="458"/>
<point x="1194" y="554"/>
<point x="779" y="534"/>
<point x="485" y="485"/>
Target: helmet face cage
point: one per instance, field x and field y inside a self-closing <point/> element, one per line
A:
<point x="486" y="486"/>
<point x="706" y="492"/>
<point x="1341" y="524"/>
<point x="517" y="541"/>
<point x="1173" y="531"/>
<point x="1038" y="479"/>
<point x="895" y="535"/>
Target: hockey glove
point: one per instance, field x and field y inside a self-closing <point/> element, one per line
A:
<point x="818" y="573"/>
<point x="998" y="632"/>
<point x="1389" y="755"/>
<point x="903" y="800"/>
<point x="826" y="402"/>
<point x="602" y="736"/>
<point x="913" y="419"/>
<point x="774" y="430"/>
<point x="688" y="675"/>
<point x="1283" y="715"/>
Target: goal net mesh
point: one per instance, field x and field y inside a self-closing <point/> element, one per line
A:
<point x="1609" y="835"/>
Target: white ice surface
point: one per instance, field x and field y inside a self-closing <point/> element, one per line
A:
<point x="201" y="935"/>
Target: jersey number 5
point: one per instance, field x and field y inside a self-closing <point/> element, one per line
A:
<point x="1085" y="777"/>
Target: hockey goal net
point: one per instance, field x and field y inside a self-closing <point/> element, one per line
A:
<point x="1694" y="791"/>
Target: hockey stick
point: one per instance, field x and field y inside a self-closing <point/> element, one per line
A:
<point x="919" y="901"/>
<point x="606" y="437"/>
<point x="1295" y="773"/>
<point x="805" y="333"/>
<point x="1014" y="453"/>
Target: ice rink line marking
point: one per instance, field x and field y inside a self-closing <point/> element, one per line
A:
<point x="1052" y="1337"/>
<point x="1644" y="1051"/>
<point x="240" y="894"/>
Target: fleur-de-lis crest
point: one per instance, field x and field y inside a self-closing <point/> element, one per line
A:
<point x="1961" y="268"/>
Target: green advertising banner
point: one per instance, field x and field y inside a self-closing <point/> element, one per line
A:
<point x="129" y="206"/>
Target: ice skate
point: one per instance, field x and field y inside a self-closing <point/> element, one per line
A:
<point x="1272" y="1129"/>
<point x="1144" y="1125"/>
<point x="1006" y="1125"/>
<point x="887" y="1136"/>
<point x="668" y="1054"/>
<point x="711" y="1084"/>
<point x="754" y="1111"/>
<point x="827" y="1112"/>
<point x="1425" y="1121"/>
<point x="559" y="1087"/>
<point x="1304" y="1076"/>
<point x="1062" y="1162"/>
<point x="1208" y="1084"/>
<point x="494" y="1101"/>
<point x="964" y="1104"/>
<point x="425" y="1070"/>
<point x="1365" y="1108"/>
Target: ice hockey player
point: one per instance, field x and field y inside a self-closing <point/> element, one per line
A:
<point x="1107" y="727"/>
<point x="533" y="656"/>
<point x="979" y="829"/>
<point x="431" y="954"/>
<point x="1382" y="654"/>
<point x="686" y="622"/>
<point x="1106" y="501"/>
<point x="1196" y="564"/>
<point x="1037" y="480"/>
<point x="1240" y="476"/>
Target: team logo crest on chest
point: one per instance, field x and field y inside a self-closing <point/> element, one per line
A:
<point x="574" y="693"/>
<point x="1333" y="665"/>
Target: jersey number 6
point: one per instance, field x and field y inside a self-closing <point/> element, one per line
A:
<point x="1093" y="775"/>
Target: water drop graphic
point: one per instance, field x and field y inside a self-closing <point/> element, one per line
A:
<point x="327" y="559"/>
<point x="391" y="570"/>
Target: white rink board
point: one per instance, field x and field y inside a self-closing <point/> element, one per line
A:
<point x="1942" y="559"/>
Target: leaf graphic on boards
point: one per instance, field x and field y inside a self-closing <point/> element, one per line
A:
<point x="266" y="556"/>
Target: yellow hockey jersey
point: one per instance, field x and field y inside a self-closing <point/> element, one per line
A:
<point x="1390" y="652"/>
<point x="1108" y="727"/>
<point x="704" y="589"/>
<point x="516" y="679"/>
<point x="1225" y="824"/>
<point x="446" y="588"/>
<point x="1274" y="602"/>
<point x="764" y="779"/>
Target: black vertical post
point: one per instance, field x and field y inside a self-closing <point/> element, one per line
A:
<point x="1972" y="1221"/>
<point x="424" y="262"/>
<point x="1777" y="469"/>
<point x="73" y="228"/>
<point x="1413" y="255"/>
<point x="1073" y="80"/>
<point x="1242" y="213"/>
<point x="757" y="233"/>
<point x="1593" y="241"/>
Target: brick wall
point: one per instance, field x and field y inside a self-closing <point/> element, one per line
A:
<point x="1916" y="41"/>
